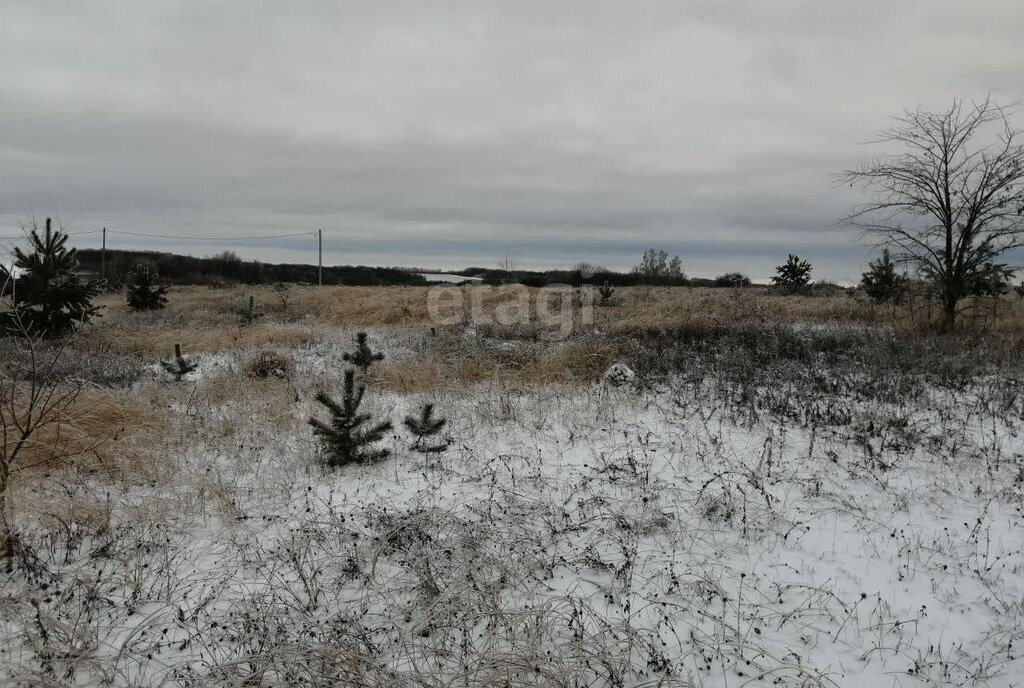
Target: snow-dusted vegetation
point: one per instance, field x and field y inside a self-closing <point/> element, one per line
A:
<point x="776" y="501"/>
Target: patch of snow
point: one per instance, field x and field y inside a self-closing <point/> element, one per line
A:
<point x="618" y="374"/>
<point x="446" y="278"/>
<point x="572" y="530"/>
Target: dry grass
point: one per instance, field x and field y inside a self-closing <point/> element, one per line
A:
<point x="95" y="439"/>
<point x="666" y="308"/>
<point x="55" y="509"/>
<point x="270" y="401"/>
<point x="283" y="551"/>
<point x="325" y="305"/>
<point x="158" y="341"/>
<point x="104" y="441"/>
<point x="643" y="309"/>
<point x="94" y="432"/>
<point x="208" y="319"/>
<point x="582" y="360"/>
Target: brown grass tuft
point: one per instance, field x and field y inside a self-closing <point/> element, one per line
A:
<point x="96" y="433"/>
<point x="528" y="363"/>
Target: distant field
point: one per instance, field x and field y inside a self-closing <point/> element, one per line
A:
<point x="443" y="277"/>
<point x="794" y="490"/>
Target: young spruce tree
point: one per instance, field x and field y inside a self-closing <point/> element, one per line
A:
<point x="990" y="279"/>
<point x="882" y="282"/>
<point x="50" y="297"/>
<point x="424" y="427"/>
<point x="250" y="314"/>
<point x="363" y="357"/>
<point x="179" y="366"/>
<point x="143" y="292"/>
<point x="793" y="275"/>
<point x="347" y="437"/>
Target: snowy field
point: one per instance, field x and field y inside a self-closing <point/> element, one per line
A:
<point x="447" y="278"/>
<point x="801" y="524"/>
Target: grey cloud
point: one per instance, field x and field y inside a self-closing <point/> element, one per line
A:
<point x="565" y="130"/>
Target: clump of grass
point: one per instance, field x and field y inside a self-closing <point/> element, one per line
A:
<point x="267" y="364"/>
<point x="449" y="362"/>
<point x="89" y="432"/>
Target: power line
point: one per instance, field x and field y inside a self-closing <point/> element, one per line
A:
<point x="209" y="238"/>
<point x="91" y="231"/>
<point x="187" y="238"/>
<point x="177" y="237"/>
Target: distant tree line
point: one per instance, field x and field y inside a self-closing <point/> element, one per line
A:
<point x="655" y="268"/>
<point x="540" y="278"/>
<point x="576" y="278"/>
<point x="230" y="268"/>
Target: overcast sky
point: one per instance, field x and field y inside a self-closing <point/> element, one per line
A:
<point x="450" y="133"/>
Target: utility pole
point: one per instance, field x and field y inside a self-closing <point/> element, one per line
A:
<point x="320" y="251"/>
<point x="103" y="258"/>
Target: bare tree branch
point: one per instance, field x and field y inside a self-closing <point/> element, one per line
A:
<point x="949" y="202"/>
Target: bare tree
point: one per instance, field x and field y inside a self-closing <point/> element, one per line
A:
<point x="656" y="266"/>
<point x="508" y="264"/>
<point x="586" y="270"/>
<point x="30" y="402"/>
<point x="952" y="200"/>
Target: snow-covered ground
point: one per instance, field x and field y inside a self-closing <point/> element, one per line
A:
<point x="653" y="534"/>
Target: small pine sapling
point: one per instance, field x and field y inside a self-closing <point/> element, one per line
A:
<point x="605" y="291"/>
<point x="250" y="314"/>
<point x="179" y="366"/>
<point x="363" y="357"/>
<point x="990" y="279"/>
<point x="51" y="298"/>
<point x="143" y="292"/>
<point x="424" y="427"/>
<point x="794" y="275"/>
<point x="346" y="438"/>
<point x="882" y="282"/>
<point x="1019" y="290"/>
